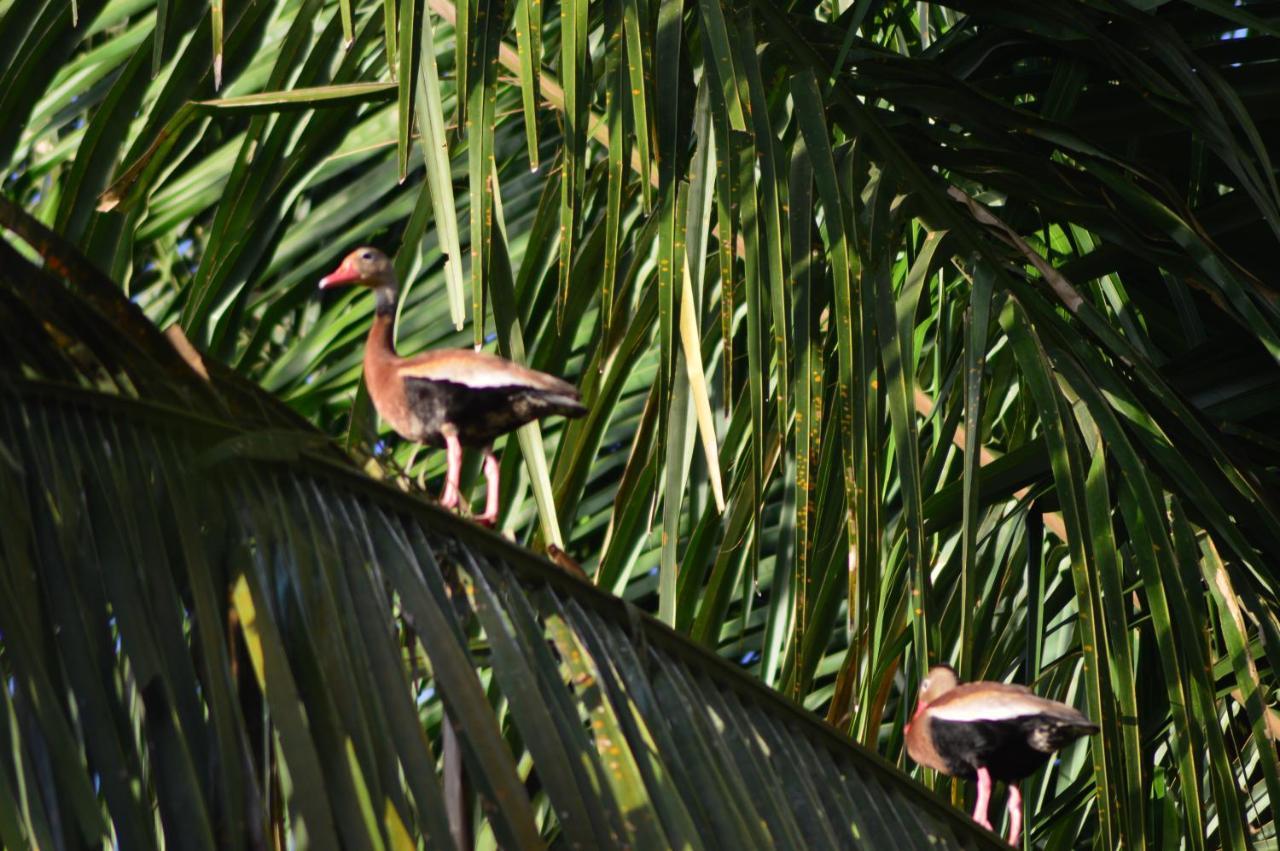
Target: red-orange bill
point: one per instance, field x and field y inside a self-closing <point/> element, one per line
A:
<point x="344" y="274"/>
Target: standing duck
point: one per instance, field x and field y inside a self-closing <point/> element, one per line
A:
<point x="452" y="397"/>
<point x="989" y="731"/>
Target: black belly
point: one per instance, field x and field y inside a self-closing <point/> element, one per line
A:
<point x="478" y="414"/>
<point x="1004" y="747"/>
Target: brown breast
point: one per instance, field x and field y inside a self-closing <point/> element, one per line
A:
<point x="920" y="744"/>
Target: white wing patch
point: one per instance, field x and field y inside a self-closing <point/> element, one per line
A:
<point x="480" y="370"/>
<point x="464" y="374"/>
<point x="993" y="702"/>
<point x="974" y="711"/>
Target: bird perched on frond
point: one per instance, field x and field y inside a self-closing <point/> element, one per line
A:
<point x="989" y="731"/>
<point x="447" y="398"/>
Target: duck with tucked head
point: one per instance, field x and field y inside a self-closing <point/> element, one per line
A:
<point x="448" y="398"/>
<point x="991" y="731"/>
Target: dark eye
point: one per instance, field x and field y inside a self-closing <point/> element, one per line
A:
<point x="368" y="255"/>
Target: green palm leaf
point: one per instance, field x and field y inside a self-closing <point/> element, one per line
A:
<point x="1081" y="496"/>
<point x="167" y="573"/>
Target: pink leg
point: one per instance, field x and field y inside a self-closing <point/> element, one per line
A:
<point x="449" y="499"/>
<point x="490" y="515"/>
<point x="984" y="799"/>
<point x="1014" y="806"/>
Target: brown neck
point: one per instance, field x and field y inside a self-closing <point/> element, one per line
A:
<point x="382" y="336"/>
<point x="381" y="344"/>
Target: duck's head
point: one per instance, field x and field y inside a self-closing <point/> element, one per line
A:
<point x="365" y="267"/>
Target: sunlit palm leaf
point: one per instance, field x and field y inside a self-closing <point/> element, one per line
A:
<point x="224" y="626"/>
<point x="1110" y="165"/>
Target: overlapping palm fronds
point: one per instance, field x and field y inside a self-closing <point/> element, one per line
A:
<point x="963" y="312"/>
<point x="219" y="633"/>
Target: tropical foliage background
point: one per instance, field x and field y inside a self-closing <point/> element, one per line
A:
<point x="219" y="634"/>
<point x="911" y="332"/>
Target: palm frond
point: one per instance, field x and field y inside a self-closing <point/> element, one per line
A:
<point x="261" y="644"/>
